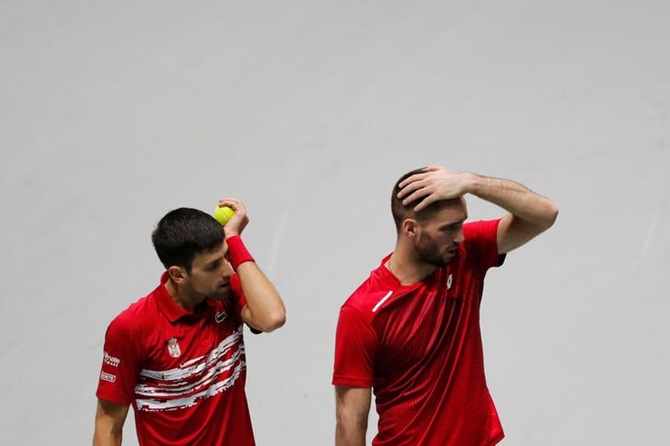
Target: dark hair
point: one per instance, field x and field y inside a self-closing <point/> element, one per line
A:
<point x="182" y="234"/>
<point x="401" y="212"/>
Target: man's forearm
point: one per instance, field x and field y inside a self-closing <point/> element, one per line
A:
<point x="265" y="309"/>
<point x="515" y="198"/>
<point x="265" y="305"/>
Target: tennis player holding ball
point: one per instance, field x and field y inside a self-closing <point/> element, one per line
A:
<point x="177" y="355"/>
<point x="411" y="330"/>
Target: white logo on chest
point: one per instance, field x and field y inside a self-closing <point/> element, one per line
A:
<point x="220" y="316"/>
<point x="450" y="281"/>
<point x="173" y="348"/>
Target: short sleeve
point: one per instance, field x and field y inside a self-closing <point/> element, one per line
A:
<point x="355" y="348"/>
<point x="481" y="238"/>
<point x="120" y="363"/>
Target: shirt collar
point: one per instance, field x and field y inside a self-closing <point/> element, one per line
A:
<point x="167" y="305"/>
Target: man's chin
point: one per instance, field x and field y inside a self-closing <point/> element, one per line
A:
<point x="221" y="293"/>
<point x="441" y="262"/>
<point x="449" y="257"/>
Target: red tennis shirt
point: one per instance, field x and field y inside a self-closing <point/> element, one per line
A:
<point x="184" y="373"/>
<point x="419" y="347"/>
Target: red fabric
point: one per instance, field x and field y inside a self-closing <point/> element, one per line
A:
<point x="419" y="347"/>
<point x="237" y="252"/>
<point x="184" y="373"/>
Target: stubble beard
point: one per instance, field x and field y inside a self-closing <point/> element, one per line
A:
<point x="221" y="293"/>
<point x="430" y="253"/>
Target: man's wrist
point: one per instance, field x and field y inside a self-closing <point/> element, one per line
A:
<point x="473" y="183"/>
<point x="237" y="252"/>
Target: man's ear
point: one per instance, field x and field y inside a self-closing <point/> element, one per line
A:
<point x="177" y="274"/>
<point x="410" y="227"/>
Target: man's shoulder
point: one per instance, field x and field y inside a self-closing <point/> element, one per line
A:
<point x="481" y="237"/>
<point x="132" y="318"/>
<point x="480" y="228"/>
<point x="369" y="293"/>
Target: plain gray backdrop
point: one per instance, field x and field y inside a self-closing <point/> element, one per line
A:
<point x="113" y="113"/>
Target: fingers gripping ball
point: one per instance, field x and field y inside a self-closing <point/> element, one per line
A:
<point x="223" y="214"/>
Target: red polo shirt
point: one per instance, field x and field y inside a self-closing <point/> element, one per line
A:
<point x="419" y="347"/>
<point x="183" y="372"/>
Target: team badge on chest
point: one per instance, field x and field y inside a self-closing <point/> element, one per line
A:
<point x="173" y="348"/>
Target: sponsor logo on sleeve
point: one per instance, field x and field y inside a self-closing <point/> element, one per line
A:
<point x="111" y="360"/>
<point x="107" y="377"/>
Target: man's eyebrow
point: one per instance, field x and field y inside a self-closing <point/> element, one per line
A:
<point x="214" y="261"/>
<point x="455" y="223"/>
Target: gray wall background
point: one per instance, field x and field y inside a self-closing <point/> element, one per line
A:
<point x="113" y="113"/>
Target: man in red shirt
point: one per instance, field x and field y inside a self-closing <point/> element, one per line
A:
<point x="177" y="355"/>
<point x="411" y="331"/>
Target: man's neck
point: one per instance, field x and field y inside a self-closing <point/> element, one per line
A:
<point x="182" y="299"/>
<point x="406" y="268"/>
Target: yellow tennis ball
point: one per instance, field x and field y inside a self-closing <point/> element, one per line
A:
<point x="223" y="214"/>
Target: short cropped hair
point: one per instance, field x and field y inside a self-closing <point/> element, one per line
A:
<point x="401" y="212"/>
<point x="182" y="234"/>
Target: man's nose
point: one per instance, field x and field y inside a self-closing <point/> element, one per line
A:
<point x="227" y="269"/>
<point x="460" y="237"/>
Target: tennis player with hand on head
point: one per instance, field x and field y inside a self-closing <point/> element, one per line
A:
<point x="177" y="355"/>
<point x="411" y="332"/>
